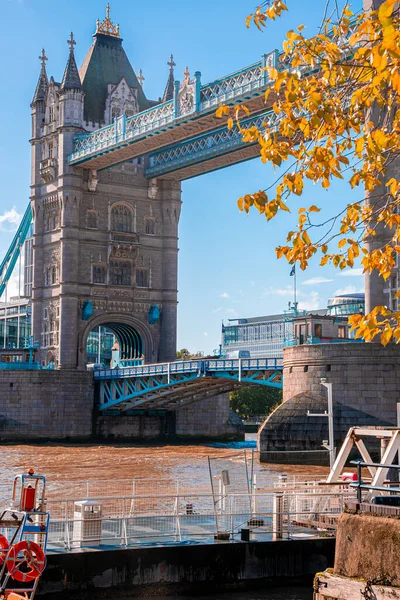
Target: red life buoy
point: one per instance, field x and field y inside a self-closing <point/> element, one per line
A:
<point x="32" y="555"/>
<point x="3" y="548"/>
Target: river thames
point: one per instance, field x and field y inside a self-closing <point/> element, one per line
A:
<point x="68" y="467"/>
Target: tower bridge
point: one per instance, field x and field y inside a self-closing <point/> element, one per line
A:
<point x="107" y="167"/>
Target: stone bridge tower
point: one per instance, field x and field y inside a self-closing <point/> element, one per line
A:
<point x="105" y="243"/>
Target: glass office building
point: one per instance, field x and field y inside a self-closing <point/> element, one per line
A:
<point x="267" y="336"/>
<point x="346" y="304"/>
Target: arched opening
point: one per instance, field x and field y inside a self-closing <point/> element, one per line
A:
<point x="114" y="344"/>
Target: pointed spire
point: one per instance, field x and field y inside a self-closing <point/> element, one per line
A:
<point x="169" y="88"/>
<point x="42" y="83"/>
<point x="71" y="80"/>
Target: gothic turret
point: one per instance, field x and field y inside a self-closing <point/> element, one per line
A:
<point x="71" y="93"/>
<point x="42" y="83"/>
<point x="169" y="88"/>
<point x="39" y="99"/>
<point x="71" y="80"/>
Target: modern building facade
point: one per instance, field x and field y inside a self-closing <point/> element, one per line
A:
<point x="15" y="328"/>
<point x="267" y="336"/>
<point x="346" y="304"/>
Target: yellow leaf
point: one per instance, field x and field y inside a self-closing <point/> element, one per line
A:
<point x="386" y="335"/>
<point x="314" y="208"/>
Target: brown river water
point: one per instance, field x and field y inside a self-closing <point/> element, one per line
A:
<point x="66" y="465"/>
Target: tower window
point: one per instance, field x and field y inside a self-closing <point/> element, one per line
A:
<point x="142" y="278"/>
<point x="122" y="218"/>
<point x="91" y="219"/>
<point x="120" y="273"/>
<point x="99" y="274"/>
<point x="51" y="275"/>
<point x="149" y="226"/>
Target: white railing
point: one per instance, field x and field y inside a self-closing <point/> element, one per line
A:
<point x="133" y="519"/>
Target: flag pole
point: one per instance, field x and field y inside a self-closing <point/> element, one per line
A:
<point x="295" y="292"/>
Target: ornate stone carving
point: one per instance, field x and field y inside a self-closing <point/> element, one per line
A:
<point x="142" y="295"/>
<point x="120" y="293"/>
<point x="97" y="291"/>
<point x="121" y="100"/>
<point x="119" y="306"/>
<point x="93" y="180"/>
<point x="186" y="96"/>
<point x="142" y="307"/>
<point x="126" y="251"/>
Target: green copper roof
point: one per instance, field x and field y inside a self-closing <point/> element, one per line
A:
<point x="106" y="62"/>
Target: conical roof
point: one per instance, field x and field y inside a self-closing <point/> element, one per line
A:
<point x="43" y="81"/>
<point x="169" y="88"/>
<point x="71" y="79"/>
<point x="106" y="63"/>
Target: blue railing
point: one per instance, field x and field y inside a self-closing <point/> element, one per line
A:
<point x="316" y="340"/>
<point x="203" y="367"/>
<point x="20" y="366"/>
<point x="243" y="84"/>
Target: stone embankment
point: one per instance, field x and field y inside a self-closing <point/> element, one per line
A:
<point x="366" y="560"/>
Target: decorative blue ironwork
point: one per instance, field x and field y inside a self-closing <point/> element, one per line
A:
<point x="237" y="87"/>
<point x="206" y="146"/>
<point x="172" y="383"/>
<point x="87" y="310"/>
<point x="154" y="314"/>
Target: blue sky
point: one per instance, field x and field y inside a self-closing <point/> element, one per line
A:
<point x="227" y="264"/>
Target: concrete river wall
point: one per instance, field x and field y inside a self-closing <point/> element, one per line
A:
<point x="183" y="568"/>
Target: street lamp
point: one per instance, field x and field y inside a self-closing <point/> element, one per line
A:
<point x="330" y="446"/>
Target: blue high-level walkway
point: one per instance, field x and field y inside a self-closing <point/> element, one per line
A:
<point x="167" y="125"/>
<point x="169" y="386"/>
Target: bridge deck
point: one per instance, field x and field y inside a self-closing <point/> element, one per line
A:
<point x="170" y="386"/>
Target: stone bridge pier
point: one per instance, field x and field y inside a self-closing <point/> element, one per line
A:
<point x="366" y="390"/>
<point x="60" y="405"/>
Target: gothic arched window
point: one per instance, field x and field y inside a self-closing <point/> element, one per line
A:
<point x="115" y="110"/>
<point x="120" y="273"/>
<point x="99" y="274"/>
<point x="149" y="226"/>
<point x="129" y="109"/>
<point x="142" y="278"/>
<point x="122" y="218"/>
<point x="91" y="219"/>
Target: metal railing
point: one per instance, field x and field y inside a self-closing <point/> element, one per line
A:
<point x="360" y="485"/>
<point x="191" y="366"/>
<point x="176" y="518"/>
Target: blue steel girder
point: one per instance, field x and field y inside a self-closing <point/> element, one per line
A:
<point x="114" y="393"/>
<point x="210" y="151"/>
<point x="176" y="397"/>
<point x="170" y="385"/>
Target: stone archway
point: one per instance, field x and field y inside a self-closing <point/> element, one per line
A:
<point x="134" y="337"/>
